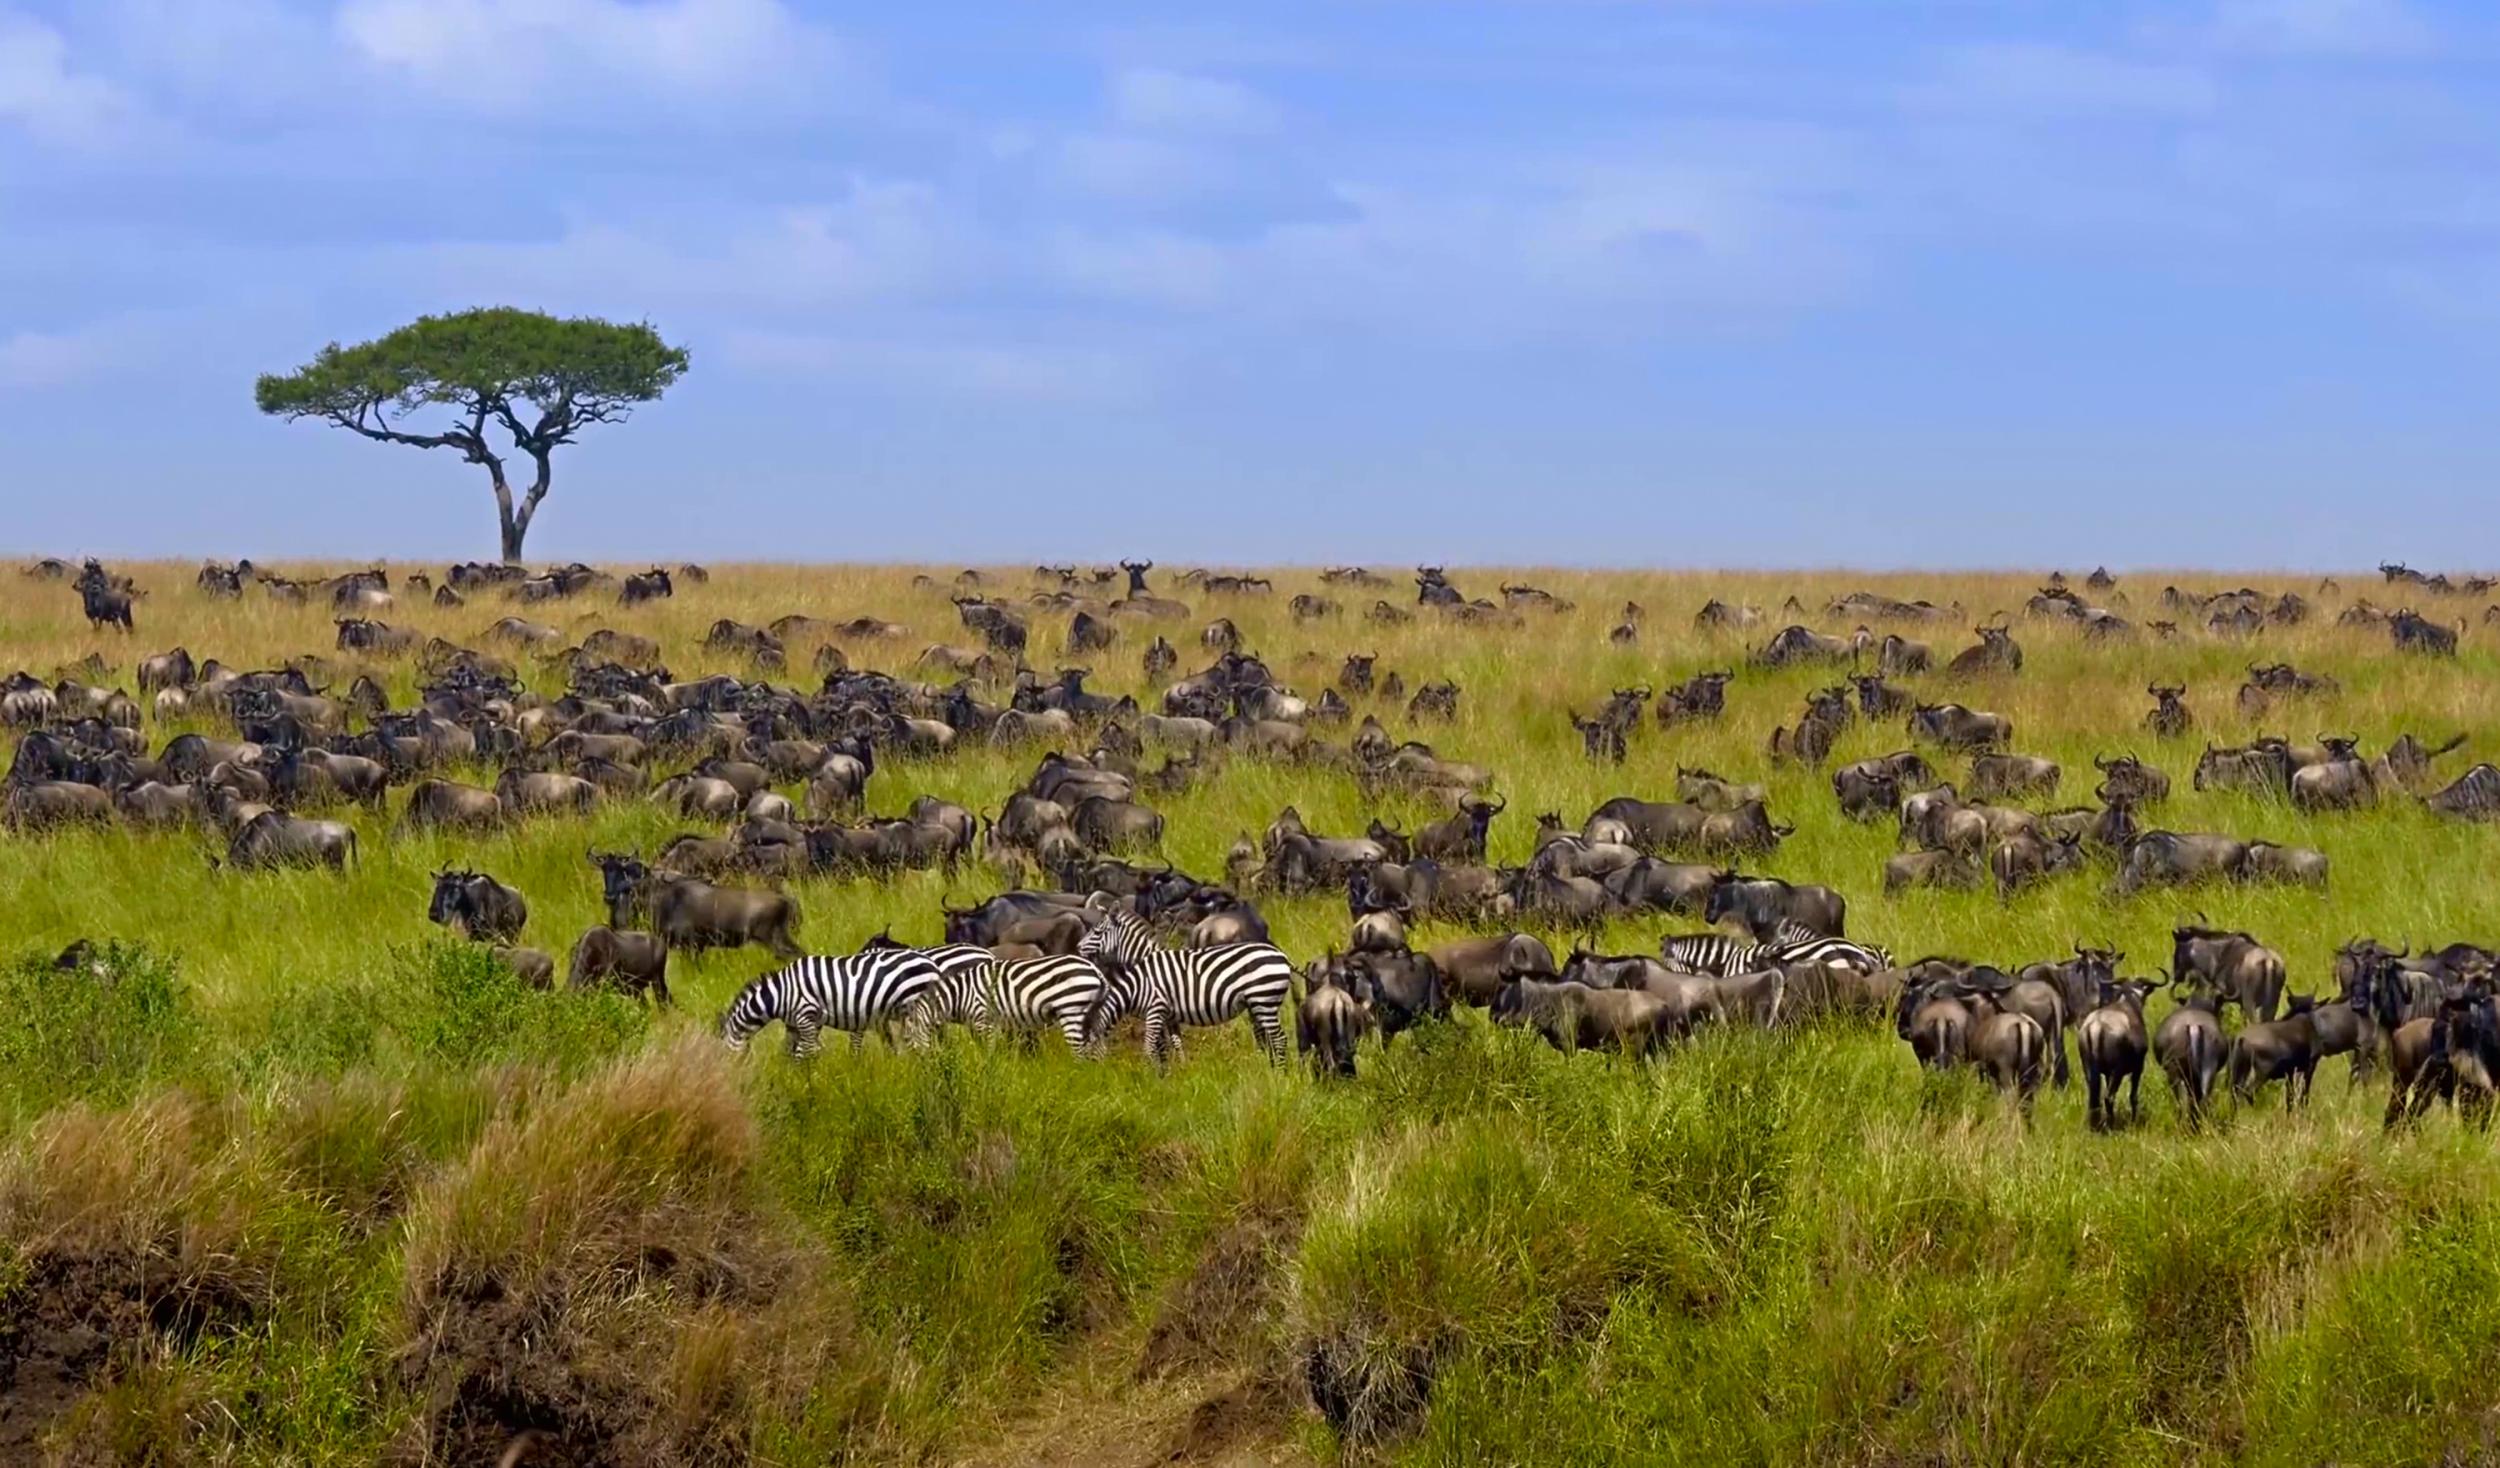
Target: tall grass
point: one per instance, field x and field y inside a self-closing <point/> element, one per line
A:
<point x="334" y="1189"/>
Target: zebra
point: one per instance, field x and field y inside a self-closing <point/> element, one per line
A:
<point x="1192" y="986"/>
<point x="1721" y="956"/>
<point x="1024" y="994"/>
<point x="947" y="1002"/>
<point x="864" y="990"/>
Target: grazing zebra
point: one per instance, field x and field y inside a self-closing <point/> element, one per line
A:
<point x="1192" y="986"/>
<point x="856" y="993"/>
<point x="1024" y="994"/>
<point x="1723" y="957"/>
<point x="946" y="1002"/>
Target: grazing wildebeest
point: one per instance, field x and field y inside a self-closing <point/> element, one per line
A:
<point x="2192" y="1049"/>
<point x="477" y="906"/>
<point x="2111" y="1044"/>
<point x="275" y="839"/>
<point x="1762" y="904"/>
<point x="1327" y="1027"/>
<point x="2235" y="966"/>
<point x="691" y="915"/>
<point x="2283" y="1049"/>
<point x="1576" y="1017"/>
<point x="634" y="963"/>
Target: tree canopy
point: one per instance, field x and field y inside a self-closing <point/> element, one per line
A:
<point x="537" y="379"/>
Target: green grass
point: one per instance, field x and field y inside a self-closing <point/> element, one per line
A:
<point x="333" y="1189"/>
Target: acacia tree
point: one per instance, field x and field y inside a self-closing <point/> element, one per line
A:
<point x="537" y="379"/>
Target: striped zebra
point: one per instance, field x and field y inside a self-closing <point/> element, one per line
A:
<point x="1192" y="986"/>
<point x="857" y="992"/>
<point x="1723" y="957"/>
<point x="949" y="1001"/>
<point x="1026" y="994"/>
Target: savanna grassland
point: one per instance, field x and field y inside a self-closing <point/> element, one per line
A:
<point x="305" y="1181"/>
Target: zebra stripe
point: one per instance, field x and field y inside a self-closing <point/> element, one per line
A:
<point x="856" y="992"/>
<point x="950" y="1001"/>
<point x="1026" y="994"/>
<point x="1724" y="957"/>
<point x="1194" y="986"/>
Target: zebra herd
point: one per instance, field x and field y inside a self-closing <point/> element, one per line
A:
<point x="1118" y="969"/>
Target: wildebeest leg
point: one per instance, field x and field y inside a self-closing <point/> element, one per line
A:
<point x="2135" y="1097"/>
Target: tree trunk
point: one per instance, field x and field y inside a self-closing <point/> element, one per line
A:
<point x="516" y="521"/>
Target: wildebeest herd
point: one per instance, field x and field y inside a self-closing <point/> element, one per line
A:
<point x="533" y="721"/>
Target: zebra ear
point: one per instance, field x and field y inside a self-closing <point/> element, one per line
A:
<point x="1095" y="903"/>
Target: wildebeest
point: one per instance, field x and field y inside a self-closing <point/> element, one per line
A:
<point x="2292" y="865"/>
<point x="276" y="839"/>
<point x="1327" y="1026"/>
<point x="634" y="963"/>
<point x="449" y="805"/>
<point x="2342" y="781"/>
<point x="1959" y="870"/>
<point x="2192" y="1050"/>
<point x="1762" y="904"/>
<point x="106" y="599"/>
<point x="2413" y="632"/>
<point x="1796" y="644"/>
<point x="651" y="585"/>
<point x="1577" y="1017"/>
<point x="2008" y="1046"/>
<point x="1955" y="727"/>
<point x="1995" y="652"/>
<point x="2131" y="780"/>
<point x="2472" y="796"/>
<point x="2111" y="1044"/>
<point x="2025" y="857"/>
<point x="1935" y="1021"/>
<point x="1995" y="775"/>
<point x="1460" y="837"/>
<point x="691" y="915"/>
<point x="2272" y="1050"/>
<point x="2235" y="966"/>
<point x="2170" y="717"/>
<point x="2177" y="858"/>
<point x="1475" y="968"/>
<point x="477" y="906"/>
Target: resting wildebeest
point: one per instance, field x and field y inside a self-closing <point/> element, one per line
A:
<point x="1878" y="699"/>
<point x="2472" y="796"/>
<point x="2024" y="858"/>
<point x="1955" y="727"/>
<point x="1761" y="904"/>
<point x="651" y="585"/>
<point x="633" y="963"/>
<point x="2170" y="717"/>
<point x="2177" y="858"/>
<point x="1996" y="775"/>
<point x="2131" y="780"/>
<point x="1797" y="644"/>
<point x="275" y="839"/>
<point x="2413" y="632"/>
<point x="2293" y="865"/>
<point x="1459" y="837"/>
<point x="1995" y="652"/>
<point x="2341" y="781"/>
<point x="449" y="805"/>
<point x="2235" y="966"/>
<point x="477" y="906"/>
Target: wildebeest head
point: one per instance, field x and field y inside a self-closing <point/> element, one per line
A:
<point x="621" y="878"/>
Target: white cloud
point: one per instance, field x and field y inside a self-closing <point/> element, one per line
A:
<point x="1152" y="98"/>
<point x="1126" y="165"/>
<point x="500" y="55"/>
<point x="883" y="241"/>
<point x="2031" y="78"/>
<point x="2322" y="27"/>
<point x="40" y="92"/>
<point x="35" y="359"/>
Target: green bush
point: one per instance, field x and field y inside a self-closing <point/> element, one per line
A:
<point x="97" y="1031"/>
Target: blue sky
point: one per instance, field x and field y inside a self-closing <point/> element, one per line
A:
<point x="1652" y="282"/>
